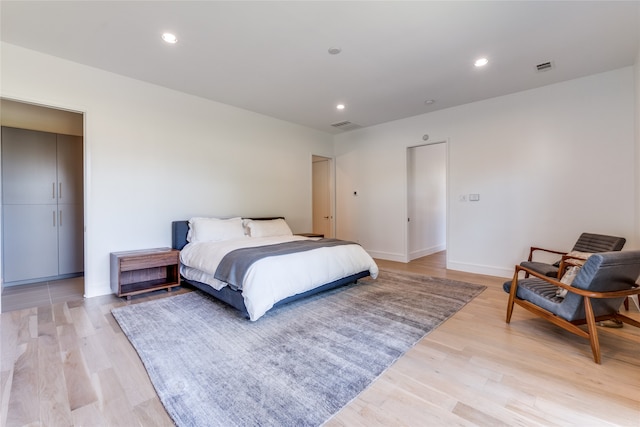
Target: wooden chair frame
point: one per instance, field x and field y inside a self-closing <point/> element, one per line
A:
<point x="587" y="242"/>
<point x="551" y="251"/>
<point x="591" y="333"/>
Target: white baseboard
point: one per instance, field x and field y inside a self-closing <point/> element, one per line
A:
<point x="481" y="269"/>
<point x="388" y="256"/>
<point x="451" y="265"/>
<point x="97" y="291"/>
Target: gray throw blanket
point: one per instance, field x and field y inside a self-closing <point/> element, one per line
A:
<point x="235" y="264"/>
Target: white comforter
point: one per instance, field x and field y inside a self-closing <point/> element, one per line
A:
<point x="273" y="279"/>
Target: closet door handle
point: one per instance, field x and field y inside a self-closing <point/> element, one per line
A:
<point x="60" y="192"/>
<point x="53" y="190"/>
<point x="54" y="218"/>
<point x="60" y="218"/>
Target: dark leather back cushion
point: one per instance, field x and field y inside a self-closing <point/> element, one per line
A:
<point x="593" y="243"/>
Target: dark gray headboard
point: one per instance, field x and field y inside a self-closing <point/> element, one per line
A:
<point x="179" y="230"/>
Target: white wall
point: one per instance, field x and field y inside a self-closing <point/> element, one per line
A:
<point x="154" y="155"/>
<point x="548" y="164"/>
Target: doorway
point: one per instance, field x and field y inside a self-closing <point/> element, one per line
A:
<point x="322" y="195"/>
<point x="426" y="199"/>
<point x="66" y="130"/>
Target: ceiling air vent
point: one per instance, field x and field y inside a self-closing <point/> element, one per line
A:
<point x="345" y="125"/>
<point x="544" y="66"/>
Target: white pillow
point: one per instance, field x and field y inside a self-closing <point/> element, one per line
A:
<point x="268" y="228"/>
<point x="214" y="229"/>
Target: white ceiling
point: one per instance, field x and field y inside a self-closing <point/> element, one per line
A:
<point x="271" y="57"/>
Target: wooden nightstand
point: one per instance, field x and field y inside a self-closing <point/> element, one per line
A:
<point x="136" y="272"/>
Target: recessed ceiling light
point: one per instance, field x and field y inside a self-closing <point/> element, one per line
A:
<point x="169" y="38"/>
<point x="334" y="50"/>
<point x="481" y="62"/>
<point x="340" y="106"/>
<point x="430" y="101"/>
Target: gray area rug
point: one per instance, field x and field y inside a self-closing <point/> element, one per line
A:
<point x="296" y="366"/>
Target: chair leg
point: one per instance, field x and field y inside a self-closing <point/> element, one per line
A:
<point x="626" y="304"/>
<point x="593" y="331"/>
<point x="512" y="296"/>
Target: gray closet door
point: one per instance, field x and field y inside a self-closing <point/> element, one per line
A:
<point x="69" y="169"/>
<point x="70" y="208"/>
<point x="42" y="197"/>
<point x="28" y="167"/>
<point x="70" y="239"/>
<point x="30" y="234"/>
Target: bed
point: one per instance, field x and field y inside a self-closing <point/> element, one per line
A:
<point x="257" y="264"/>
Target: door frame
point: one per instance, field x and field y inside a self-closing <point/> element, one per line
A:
<point x="332" y="191"/>
<point x="444" y="141"/>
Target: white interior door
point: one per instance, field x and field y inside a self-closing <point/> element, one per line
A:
<point x="322" y="206"/>
<point x="426" y="204"/>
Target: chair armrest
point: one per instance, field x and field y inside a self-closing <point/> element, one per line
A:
<point x="551" y="280"/>
<point x="611" y="294"/>
<point x="583" y="292"/>
<point x="534" y="248"/>
<point x="569" y="261"/>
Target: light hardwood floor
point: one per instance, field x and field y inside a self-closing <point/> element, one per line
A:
<point x="42" y="293"/>
<point x="70" y="364"/>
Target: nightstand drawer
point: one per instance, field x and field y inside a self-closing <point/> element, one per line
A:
<point x="148" y="261"/>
